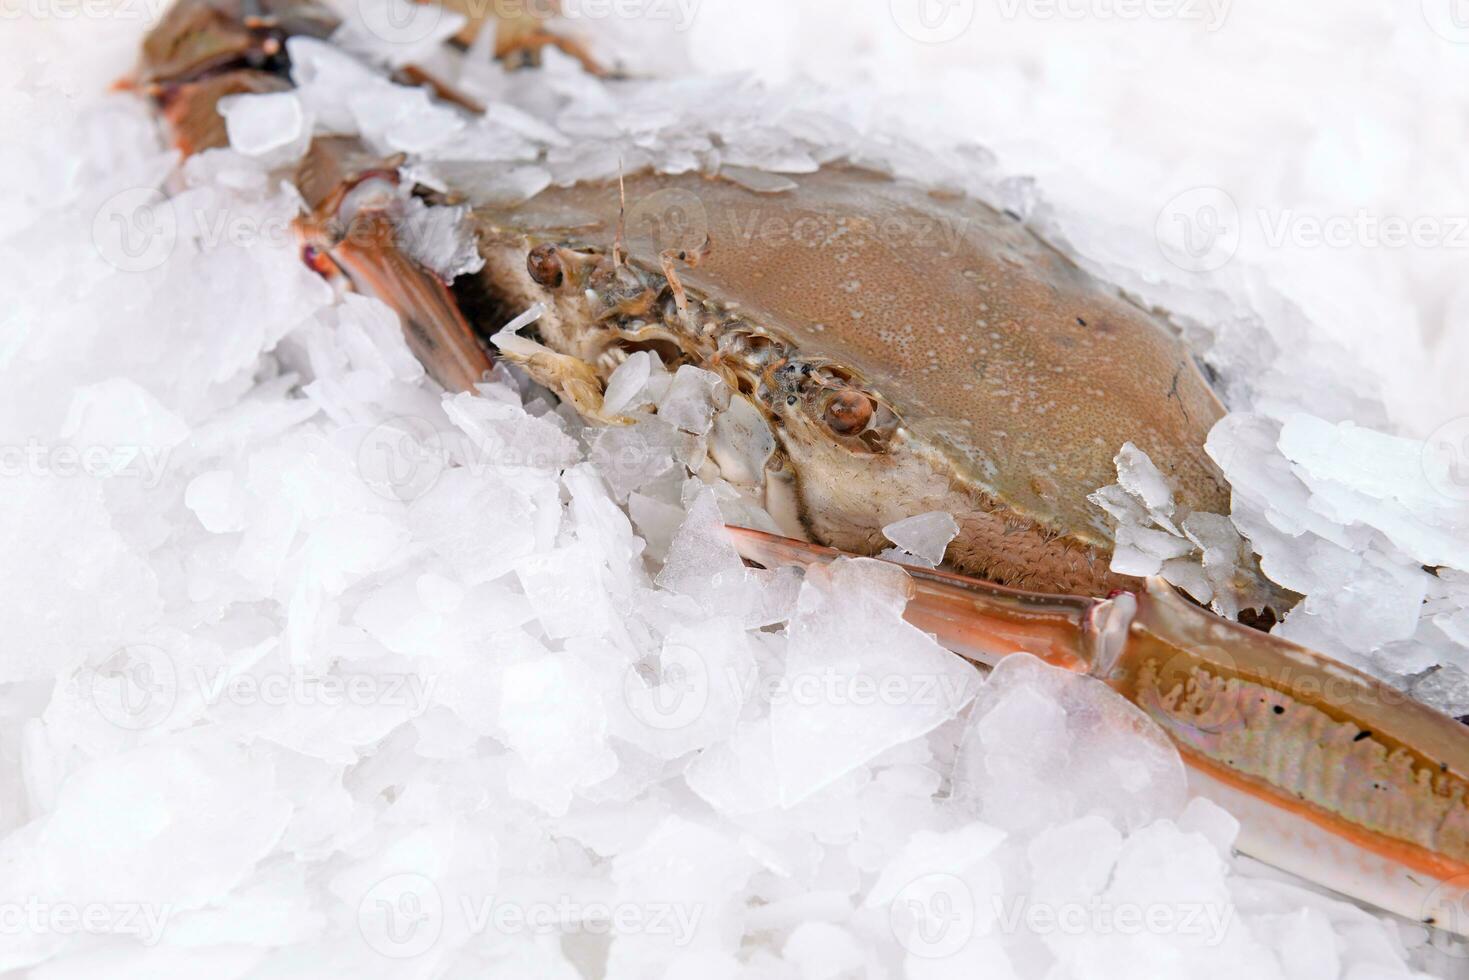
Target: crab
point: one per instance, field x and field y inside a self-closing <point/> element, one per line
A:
<point x="892" y="351"/>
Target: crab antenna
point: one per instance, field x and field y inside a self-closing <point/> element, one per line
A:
<point x="619" y="249"/>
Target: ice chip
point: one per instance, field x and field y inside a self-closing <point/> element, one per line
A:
<point x="692" y="399"/>
<point x="441" y="238"/>
<point x="262" y="125"/>
<point x="1071" y="862"/>
<point x="627" y="382"/>
<point x="1045" y="745"/>
<point x="1138" y="476"/>
<point x="925" y="535"/>
<point x="858" y="679"/>
<point x="217" y="500"/>
<point x="702" y="562"/>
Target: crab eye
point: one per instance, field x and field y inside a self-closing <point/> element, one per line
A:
<point x="848" y="412"/>
<point x="544" y="265"/>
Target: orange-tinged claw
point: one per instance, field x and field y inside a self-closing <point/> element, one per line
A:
<point x="977" y="620"/>
<point x="1334" y="776"/>
<point x="1346" y="780"/>
<point x="436" y="330"/>
<point x="192" y="108"/>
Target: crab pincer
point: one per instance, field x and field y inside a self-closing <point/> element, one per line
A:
<point x="1333" y="775"/>
<point x="206" y="50"/>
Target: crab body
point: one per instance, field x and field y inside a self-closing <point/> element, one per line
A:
<point x="909" y="353"/>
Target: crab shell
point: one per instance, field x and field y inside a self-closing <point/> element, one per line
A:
<point x="909" y="352"/>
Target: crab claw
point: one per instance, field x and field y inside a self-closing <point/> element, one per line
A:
<point x="1334" y="776"/>
<point x="978" y="620"/>
<point x="433" y="325"/>
<point x="352" y="196"/>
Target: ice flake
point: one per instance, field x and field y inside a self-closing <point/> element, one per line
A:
<point x="441" y="238"/>
<point x="858" y="679"/>
<point x="692" y="399"/>
<point x="627" y="382"/>
<point x="273" y="127"/>
<point x="1044" y="745"/>
<point x="925" y="536"/>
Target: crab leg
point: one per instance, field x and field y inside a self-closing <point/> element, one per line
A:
<point x="352" y="197"/>
<point x="1335" y="776"/>
<point x="194" y="59"/>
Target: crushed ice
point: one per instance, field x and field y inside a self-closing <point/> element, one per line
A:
<point x="312" y="670"/>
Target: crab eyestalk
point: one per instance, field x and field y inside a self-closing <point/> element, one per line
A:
<point x="1334" y="775"/>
